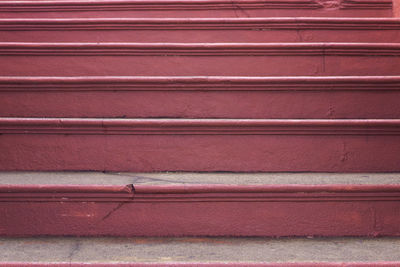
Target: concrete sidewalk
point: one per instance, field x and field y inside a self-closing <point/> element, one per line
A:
<point x="163" y="250"/>
<point x="116" y="178"/>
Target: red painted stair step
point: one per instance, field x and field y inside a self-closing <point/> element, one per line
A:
<point x="200" y="210"/>
<point x="240" y="30"/>
<point x="197" y="8"/>
<point x="194" y="59"/>
<point x="201" y="97"/>
<point x="200" y="145"/>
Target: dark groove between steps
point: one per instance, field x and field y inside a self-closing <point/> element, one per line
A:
<point x="200" y="83"/>
<point x="199" y="49"/>
<point x="304" y="23"/>
<point x="82" y="5"/>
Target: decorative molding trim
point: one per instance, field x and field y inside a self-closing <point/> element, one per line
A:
<point x="365" y="4"/>
<point x="199" y="126"/>
<point x="200" y="24"/>
<point x="199" y="49"/>
<point x="108" y="5"/>
<point x="199" y="83"/>
<point x="203" y="210"/>
<point x="65" y="193"/>
<point x="125" y="5"/>
<point x="199" y="193"/>
<point x="265" y="193"/>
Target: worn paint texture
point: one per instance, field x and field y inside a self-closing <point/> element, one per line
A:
<point x="191" y="60"/>
<point x="200" y="210"/>
<point x="200" y="145"/>
<point x="207" y="9"/>
<point x="396" y="8"/>
<point x="338" y="124"/>
<point x="201" y="97"/>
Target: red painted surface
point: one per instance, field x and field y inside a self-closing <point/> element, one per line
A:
<point x="65" y="193"/>
<point x="188" y="59"/>
<point x="197" y="8"/>
<point x="396" y="8"/>
<point x="237" y="30"/>
<point x="200" y="145"/>
<point x="201" y="97"/>
<point x="201" y="210"/>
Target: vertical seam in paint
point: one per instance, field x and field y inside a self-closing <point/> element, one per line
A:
<point x="133" y="190"/>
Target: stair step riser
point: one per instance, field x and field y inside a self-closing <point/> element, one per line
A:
<point x="200" y="210"/>
<point x="201" y="30"/>
<point x="186" y="8"/>
<point x="200" y="145"/>
<point x="199" y="97"/>
<point x="84" y="59"/>
<point x="246" y="105"/>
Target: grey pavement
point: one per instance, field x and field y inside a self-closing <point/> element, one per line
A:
<point x="116" y="178"/>
<point x="109" y="250"/>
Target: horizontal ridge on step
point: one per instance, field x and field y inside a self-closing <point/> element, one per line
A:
<point x="200" y="83"/>
<point x="200" y="210"/>
<point x="101" y="5"/>
<point x="198" y="193"/>
<point x="108" y="193"/>
<point x="199" y="49"/>
<point x="304" y="23"/>
<point x="351" y="4"/>
<point x="199" y="126"/>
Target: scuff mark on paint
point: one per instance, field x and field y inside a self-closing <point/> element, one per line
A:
<point x="330" y="4"/>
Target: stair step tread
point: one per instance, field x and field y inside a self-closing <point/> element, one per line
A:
<point x="124" y="178"/>
<point x="332" y="80"/>
<point x="196" y="250"/>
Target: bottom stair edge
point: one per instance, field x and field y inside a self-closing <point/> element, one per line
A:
<point x="200" y="210"/>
